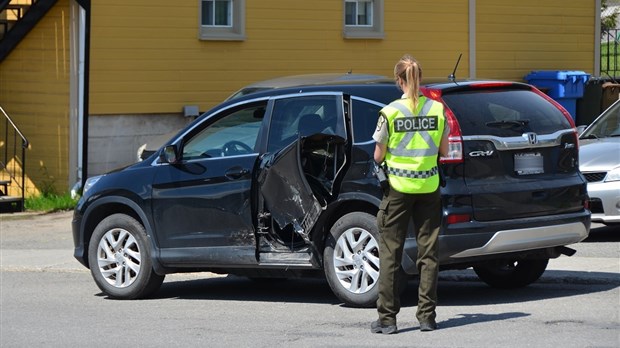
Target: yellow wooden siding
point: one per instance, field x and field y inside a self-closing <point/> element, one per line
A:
<point x="34" y="90"/>
<point x="515" y="37"/>
<point x="146" y="56"/>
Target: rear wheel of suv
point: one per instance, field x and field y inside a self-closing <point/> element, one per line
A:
<point x="120" y="259"/>
<point x="510" y="274"/>
<point x="351" y="259"/>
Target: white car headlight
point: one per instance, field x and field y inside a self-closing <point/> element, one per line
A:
<point x="90" y="182"/>
<point x="613" y="175"/>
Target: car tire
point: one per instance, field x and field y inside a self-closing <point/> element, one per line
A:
<point x="511" y="274"/>
<point x="351" y="259"/>
<point x="119" y="256"/>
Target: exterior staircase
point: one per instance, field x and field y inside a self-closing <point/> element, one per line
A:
<point x="17" y="18"/>
<point x="9" y="204"/>
<point x="13" y="147"/>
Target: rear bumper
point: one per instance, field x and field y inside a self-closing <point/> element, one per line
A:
<point x="508" y="241"/>
<point x="465" y="244"/>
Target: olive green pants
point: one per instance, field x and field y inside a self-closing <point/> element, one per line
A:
<point x="393" y="218"/>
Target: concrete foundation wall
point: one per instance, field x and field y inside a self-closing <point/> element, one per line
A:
<point x="114" y="139"/>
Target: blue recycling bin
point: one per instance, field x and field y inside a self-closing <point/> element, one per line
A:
<point x="563" y="86"/>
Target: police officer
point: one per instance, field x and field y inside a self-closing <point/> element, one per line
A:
<point x="411" y="133"/>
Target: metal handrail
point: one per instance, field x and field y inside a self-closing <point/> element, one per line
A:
<point x="21" y="135"/>
<point x="23" y="154"/>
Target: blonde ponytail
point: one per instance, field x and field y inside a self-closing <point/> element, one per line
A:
<point x="408" y="70"/>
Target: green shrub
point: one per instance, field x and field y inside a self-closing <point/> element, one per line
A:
<point x="50" y="202"/>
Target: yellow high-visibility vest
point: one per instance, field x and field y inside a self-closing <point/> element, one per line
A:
<point x="413" y="145"/>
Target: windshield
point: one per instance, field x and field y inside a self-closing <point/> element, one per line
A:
<point x="606" y="125"/>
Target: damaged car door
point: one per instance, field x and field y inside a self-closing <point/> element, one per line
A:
<point x="299" y="175"/>
<point x="201" y="198"/>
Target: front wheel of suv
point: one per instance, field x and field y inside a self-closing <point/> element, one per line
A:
<point x="510" y="274"/>
<point x="351" y="259"/>
<point x="120" y="259"/>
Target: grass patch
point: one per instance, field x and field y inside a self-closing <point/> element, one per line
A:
<point x="50" y="203"/>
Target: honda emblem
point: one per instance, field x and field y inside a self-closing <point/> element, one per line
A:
<point x="531" y="138"/>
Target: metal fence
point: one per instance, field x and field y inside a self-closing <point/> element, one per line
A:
<point x="610" y="43"/>
<point x="610" y="53"/>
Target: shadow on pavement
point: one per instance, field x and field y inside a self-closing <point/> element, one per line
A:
<point x="235" y="288"/>
<point x="603" y="234"/>
<point x="451" y="293"/>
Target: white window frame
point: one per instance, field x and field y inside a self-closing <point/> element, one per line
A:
<point x="374" y="30"/>
<point x="235" y="31"/>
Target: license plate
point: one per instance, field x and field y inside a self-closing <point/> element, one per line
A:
<point x="529" y="163"/>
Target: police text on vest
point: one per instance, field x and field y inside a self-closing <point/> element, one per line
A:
<point x="418" y="123"/>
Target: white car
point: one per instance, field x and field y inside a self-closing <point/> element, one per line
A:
<point x="599" y="161"/>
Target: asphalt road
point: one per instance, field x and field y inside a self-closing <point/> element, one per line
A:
<point x="48" y="299"/>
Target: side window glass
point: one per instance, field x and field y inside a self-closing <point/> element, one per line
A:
<point x="607" y="125"/>
<point x="365" y="116"/>
<point x="304" y="116"/>
<point x="231" y="135"/>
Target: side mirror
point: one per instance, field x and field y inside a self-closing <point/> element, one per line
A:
<point x="580" y="129"/>
<point x="170" y="154"/>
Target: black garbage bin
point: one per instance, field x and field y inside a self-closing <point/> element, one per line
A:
<point x="589" y="106"/>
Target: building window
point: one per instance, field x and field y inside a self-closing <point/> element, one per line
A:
<point x="217" y="13"/>
<point x="222" y="19"/>
<point x="358" y="13"/>
<point x="363" y="19"/>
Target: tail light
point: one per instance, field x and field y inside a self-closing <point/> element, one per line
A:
<point x="455" y="138"/>
<point x="457" y="218"/>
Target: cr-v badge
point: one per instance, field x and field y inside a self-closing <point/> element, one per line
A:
<point x="481" y="153"/>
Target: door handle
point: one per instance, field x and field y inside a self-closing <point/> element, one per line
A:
<point x="236" y="173"/>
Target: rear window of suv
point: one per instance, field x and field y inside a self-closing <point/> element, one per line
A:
<point x="504" y="113"/>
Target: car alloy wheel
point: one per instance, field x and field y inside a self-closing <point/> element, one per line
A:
<point x="356" y="260"/>
<point x="351" y="259"/>
<point x="119" y="258"/>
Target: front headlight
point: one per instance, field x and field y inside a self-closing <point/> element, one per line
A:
<point x="613" y="175"/>
<point x="90" y="182"/>
<point x="76" y="190"/>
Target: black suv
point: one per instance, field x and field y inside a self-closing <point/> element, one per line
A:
<point x="280" y="183"/>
